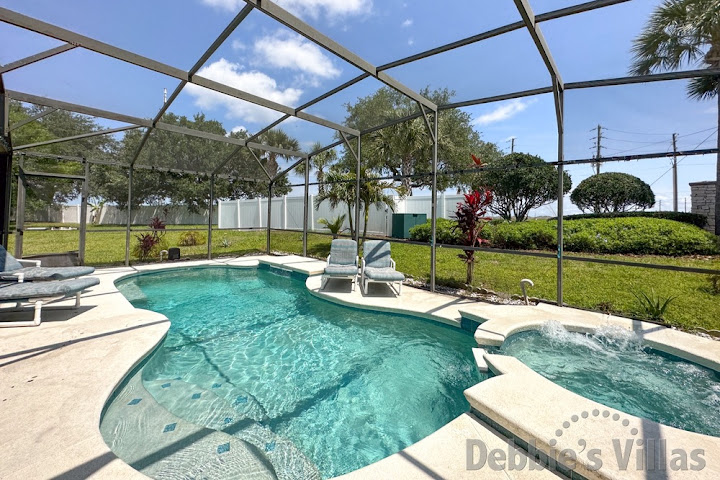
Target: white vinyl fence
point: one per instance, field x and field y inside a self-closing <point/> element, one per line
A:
<point x="112" y="215"/>
<point x="287" y="213"/>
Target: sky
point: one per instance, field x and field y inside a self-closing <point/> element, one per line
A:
<point x="267" y="59"/>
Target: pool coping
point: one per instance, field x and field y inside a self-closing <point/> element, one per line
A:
<point x="58" y="377"/>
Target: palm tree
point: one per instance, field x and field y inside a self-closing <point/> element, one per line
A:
<point x="319" y="163"/>
<point x="277" y="138"/>
<point x="340" y="191"/>
<point x="684" y="32"/>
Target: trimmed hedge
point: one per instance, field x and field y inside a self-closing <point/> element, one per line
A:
<point x="637" y="236"/>
<point x="443" y="232"/>
<point x="684" y="217"/>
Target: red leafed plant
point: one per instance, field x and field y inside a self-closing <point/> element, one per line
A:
<point x="149" y="244"/>
<point x="471" y="219"/>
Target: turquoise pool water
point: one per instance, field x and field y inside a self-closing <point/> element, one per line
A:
<point x="346" y="387"/>
<point x="613" y="368"/>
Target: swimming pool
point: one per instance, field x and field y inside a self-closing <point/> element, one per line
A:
<point x="252" y="357"/>
<point x="612" y="367"/>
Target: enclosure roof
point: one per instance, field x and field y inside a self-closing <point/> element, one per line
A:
<point x="195" y="79"/>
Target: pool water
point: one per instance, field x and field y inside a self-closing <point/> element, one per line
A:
<point x="613" y="368"/>
<point x="346" y="387"/>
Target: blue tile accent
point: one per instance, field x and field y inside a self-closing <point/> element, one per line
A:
<point x="228" y="420"/>
<point x="195" y="396"/>
<point x="178" y="378"/>
<point x="165" y="385"/>
<point x="216" y="385"/>
<point x="469" y="325"/>
<point x="225" y="447"/>
<point x="169" y="427"/>
<point x="241" y="399"/>
<point x="134" y="401"/>
<point x="269" y="447"/>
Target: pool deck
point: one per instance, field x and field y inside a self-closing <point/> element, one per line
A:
<point x="56" y="378"/>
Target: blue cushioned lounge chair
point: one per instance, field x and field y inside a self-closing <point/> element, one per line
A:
<point x="378" y="267"/>
<point x="12" y="269"/>
<point x="342" y="262"/>
<point x="41" y="293"/>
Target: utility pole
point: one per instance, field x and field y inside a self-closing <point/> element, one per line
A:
<point x="512" y="145"/>
<point x="674" y="169"/>
<point x="597" y="153"/>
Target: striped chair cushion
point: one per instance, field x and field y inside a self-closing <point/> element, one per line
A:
<point x="61" y="288"/>
<point x="7" y="261"/>
<point x="384" y="274"/>
<point x="376" y="253"/>
<point x="48" y="273"/>
<point x="343" y="252"/>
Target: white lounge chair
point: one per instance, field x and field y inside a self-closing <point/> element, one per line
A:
<point x="12" y="269"/>
<point x="378" y="266"/>
<point x="342" y="262"/>
<point x="40" y="293"/>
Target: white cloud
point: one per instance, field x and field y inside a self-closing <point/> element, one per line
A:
<point x="238" y="45"/>
<point x="254" y="82"/>
<point x="411" y="41"/>
<point x="285" y="50"/>
<point x="239" y="128"/>
<point x="332" y="9"/>
<point x="407" y="23"/>
<point x="503" y="112"/>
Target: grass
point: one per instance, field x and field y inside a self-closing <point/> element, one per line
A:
<point x="587" y="285"/>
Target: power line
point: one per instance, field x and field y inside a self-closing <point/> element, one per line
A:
<point x="637" y="133"/>
<point x="683" y="158"/>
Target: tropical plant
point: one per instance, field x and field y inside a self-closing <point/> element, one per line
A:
<point x="96" y="211"/>
<point x="340" y="190"/>
<point x="471" y="219"/>
<point x="678" y="33"/>
<point x="150" y="244"/>
<point x="225" y="243"/>
<point x="651" y="305"/>
<point x="612" y="192"/>
<point x="191" y="238"/>
<point x="334" y="225"/>
<point x="520" y="182"/>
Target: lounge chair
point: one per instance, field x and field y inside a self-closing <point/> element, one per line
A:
<point x="378" y="267"/>
<point x="41" y="293"/>
<point x="342" y="262"/>
<point x="13" y="269"/>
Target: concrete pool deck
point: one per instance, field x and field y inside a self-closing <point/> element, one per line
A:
<point x="56" y="379"/>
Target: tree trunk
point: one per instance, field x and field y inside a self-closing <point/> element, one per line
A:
<point x="367" y="216"/>
<point x="717" y="171"/>
<point x="470" y="272"/>
<point x="350" y="217"/>
<point x="406" y="182"/>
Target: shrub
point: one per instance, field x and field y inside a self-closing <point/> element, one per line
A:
<point x="445" y="232"/>
<point x="684" y="217"/>
<point x="612" y="192"/>
<point x="530" y="235"/>
<point x="191" y="238"/>
<point x="638" y="236"/>
<point x="626" y="235"/>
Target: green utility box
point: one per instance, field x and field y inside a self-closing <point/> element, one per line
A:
<point x="402" y="222"/>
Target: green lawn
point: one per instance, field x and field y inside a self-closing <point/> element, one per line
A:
<point x="586" y="285"/>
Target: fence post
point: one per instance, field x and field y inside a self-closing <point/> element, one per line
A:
<point x="284" y="212"/>
<point x="259" y="212"/>
<point x="237" y="203"/>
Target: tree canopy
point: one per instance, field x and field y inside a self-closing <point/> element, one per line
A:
<point x="163" y="151"/>
<point x="520" y="182"/>
<point x="406" y="148"/>
<point x="612" y="192"/>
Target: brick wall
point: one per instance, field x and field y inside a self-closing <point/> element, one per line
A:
<point x="703" y="201"/>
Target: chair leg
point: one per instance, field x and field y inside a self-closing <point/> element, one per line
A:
<point x="323" y="282"/>
<point x="77" y="299"/>
<point x="38" y="313"/>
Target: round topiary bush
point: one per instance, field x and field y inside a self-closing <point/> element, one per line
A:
<point x="612" y="192"/>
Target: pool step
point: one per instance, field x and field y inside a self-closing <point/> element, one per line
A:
<point x="238" y="418"/>
<point x="162" y="445"/>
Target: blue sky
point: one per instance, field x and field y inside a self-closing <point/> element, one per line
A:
<point x="267" y="59"/>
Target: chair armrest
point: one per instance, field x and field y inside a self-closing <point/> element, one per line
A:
<point x="392" y="264"/>
<point x="9" y="277"/>
<point x="362" y="267"/>
<point x="328" y="260"/>
<point x="28" y="263"/>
